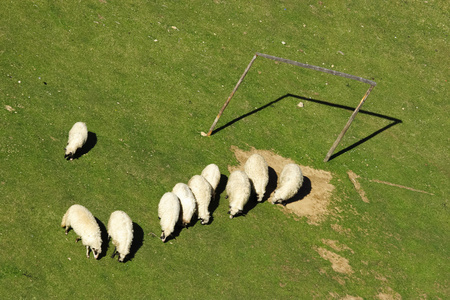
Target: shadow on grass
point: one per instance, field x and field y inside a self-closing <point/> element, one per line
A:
<point x="90" y="143"/>
<point x="105" y="238"/>
<point x="272" y="184"/>
<point x="395" y="121"/>
<point x="219" y="190"/>
<point x="138" y="241"/>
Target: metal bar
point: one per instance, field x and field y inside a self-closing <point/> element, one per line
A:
<point x="349" y="122"/>
<point x="231" y="95"/>
<point x="320" y="69"/>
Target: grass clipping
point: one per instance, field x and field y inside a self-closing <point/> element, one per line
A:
<point x="314" y="196"/>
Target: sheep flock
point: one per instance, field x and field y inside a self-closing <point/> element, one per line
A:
<point x="179" y="207"/>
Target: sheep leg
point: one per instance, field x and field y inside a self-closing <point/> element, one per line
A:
<point x="67" y="230"/>
<point x="114" y="253"/>
<point x="87" y="251"/>
<point x="78" y="238"/>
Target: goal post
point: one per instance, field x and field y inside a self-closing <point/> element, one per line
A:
<point x="307" y="66"/>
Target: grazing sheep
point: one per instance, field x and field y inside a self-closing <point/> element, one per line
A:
<point x="187" y="200"/>
<point x="289" y="183"/>
<point x="212" y="173"/>
<point x="202" y="191"/>
<point x="238" y="192"/>
<point x="120" y="230"/>
<point x="168" y="213"/>
<point x="77" y="138"/>
<point x="85" y="226"/>
<point x="258" y="172"/>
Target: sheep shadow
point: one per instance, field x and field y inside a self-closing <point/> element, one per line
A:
<point x="215" y="201"/>
<point x="304" y="191"/>
<point x="138" y="241"/>
<point x="90" y="143"/>
<point x="176" y="233"/>
<point x="272" y="185"/>
<point x="105" y="238"/>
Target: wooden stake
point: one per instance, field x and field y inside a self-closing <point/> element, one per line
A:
<point x="349" y="122"/>
<point x="231" y="95"/>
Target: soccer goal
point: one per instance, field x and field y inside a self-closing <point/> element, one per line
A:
<point x="315" y="68"/>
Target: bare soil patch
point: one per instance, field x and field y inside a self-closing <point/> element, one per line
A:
<point x="353" y="178"/>
<point x="338" y="263"/>
<point x="314" y="196"/>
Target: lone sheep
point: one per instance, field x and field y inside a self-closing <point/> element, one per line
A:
<point x="238" y="192"/>
<point x="168" y="213"/>
<point x="120" y="230"/>
<point x="85" y="226"/>
<point x="289" y="183"/>
<point x="258" y="172"/>
<point x="212" y="173"/>
<point x="187" y="200"/>
<point x="77" y="138"/>
<point x="202" y="191"/>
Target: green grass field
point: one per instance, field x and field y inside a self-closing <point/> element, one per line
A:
<point x="148" y="76"/>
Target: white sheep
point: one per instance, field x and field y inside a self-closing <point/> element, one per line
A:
<point x="187" y="200"/>
<point x="212" y="173"/>
<point x="120" y="230"/>
<point x="77" y="138"/>
<point x="238" y="192"/>
<point x="289" y="183"/>
<point x="203" y="192"/>
<point x="85" y="226"/>
<point x="258" y="172"/>
<point x="168" y="213"/>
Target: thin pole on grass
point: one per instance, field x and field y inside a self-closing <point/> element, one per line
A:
<point x="315" y="68"/>
<point x="349" y="122"/>
<point x="231" y="96"/>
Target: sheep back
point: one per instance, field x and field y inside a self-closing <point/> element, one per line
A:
<point x="77" y="138"/>
<point x="238" y="191"/>
<point x="212" y="174"/>
<point x="187" y="201"/>
<point x="202" y="191"/>
<point x="81" y="220"/>
<point x="258" y="172"/>
<point x="120" y="229"/>
<point x="168" y="213"/>
<point x="289" y="183"/>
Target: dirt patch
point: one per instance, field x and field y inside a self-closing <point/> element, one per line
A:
<point x="389" y="294"/>
<point x="336" y="245"/>
<point x="338" y="263"/>
<point x="358" y="188"/>
<point x="313" y="198"/>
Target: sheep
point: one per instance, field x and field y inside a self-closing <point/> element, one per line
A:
<point x="289" y="183"/>
<point x="85" y="226"/>
<point x="238" y="192"/>
<point x="187" y="200"/>
<point x="120" y="230"/>
<point x="203" y="192"/>
<point x="77" y="138"/>
<point x="212" y="173"/>
<point x="168" y="213"/>
<point x="258" y="172"/>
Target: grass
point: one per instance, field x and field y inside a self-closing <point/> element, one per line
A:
<point x="148" y="77"/>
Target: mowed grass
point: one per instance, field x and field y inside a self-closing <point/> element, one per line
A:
<point x="148" y="77"/>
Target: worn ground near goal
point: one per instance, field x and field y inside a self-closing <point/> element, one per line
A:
<point x="312" y="199"/>
<point x="313" y="203"/>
